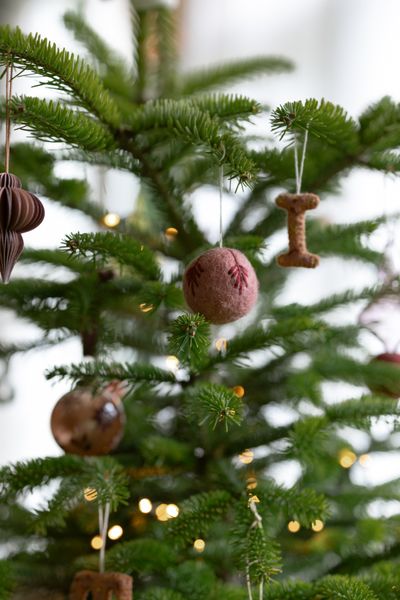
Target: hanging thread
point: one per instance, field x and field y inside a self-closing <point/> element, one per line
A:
<point x="104" y="517"/>
<point x="298" y="169"/>
<point x="221" y="187"/>
<point x="9" y="79"/>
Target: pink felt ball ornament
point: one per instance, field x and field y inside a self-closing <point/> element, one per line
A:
<point x="221" y="284"/>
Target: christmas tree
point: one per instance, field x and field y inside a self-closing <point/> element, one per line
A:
<point x="186" y="501"/>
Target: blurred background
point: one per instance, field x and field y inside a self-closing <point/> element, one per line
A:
<point x="344" y="50"/>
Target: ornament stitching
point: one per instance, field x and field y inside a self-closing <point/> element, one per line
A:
<point x="238" y="274"/>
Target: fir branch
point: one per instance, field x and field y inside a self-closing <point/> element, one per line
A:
<point x="189" y="339"/>
<point x="380" y="125"/>
<point x="141" y="556"/>
<point x="102" y="371"/>
<point x="221" y="75"/>
<point x="196" y="515"/>
<point x="344" y="588"/>
<point x="60" y="70"/>
<point x="105" y="246"/>
<point x="189" y="123"/>
<point x="50" y="121"/>
<point x="227" y="107"/>
<point x="55" y="258"/>
<point x="167" y="58"/>
<point x="214" y="403"/>
<point x="160" y="594"/>
<point x="322" y="119"/>
<point x="114" y="74"/>
<point x="7" y="579"/>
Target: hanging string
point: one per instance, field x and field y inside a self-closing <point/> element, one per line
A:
<point x="298" y="169"/>
<point x="9" y="79"/>
<point x="221" y="187"/>
<point x="104" y="517"/>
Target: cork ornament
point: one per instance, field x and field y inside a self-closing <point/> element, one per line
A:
<point x="296" y="206"/>
<point x="220" y="284"/>
<point x="101" y="586"/>
<point x="20" y="211"/>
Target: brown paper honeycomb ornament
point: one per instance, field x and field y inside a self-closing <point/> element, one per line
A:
<point x="101" y="586"/>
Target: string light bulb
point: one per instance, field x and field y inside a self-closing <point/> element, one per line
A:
<point x="251" y="483"/>
<point x="172" y="511"/>
<point x="171" y="233"/>
<point x="145" y="506"/>
<point x="221" y="344"/>
<point x="318" y="525"/>
<point x="172" y="363"/>
<point x="347" y="458"/>
<point x="161" y="512"/>
<point x="111" y="219"/>
<point x="364" y="460"/>
<point x="145" y="308"/>
<point x="96" y="542"/>
<point x="199" y="545"/>
<point x="115" y="532"/>
<point x="294" y="526"/>
<point x="246" y="457"/>
<point x="90" y="494"/>
<point x="238" y="390"/>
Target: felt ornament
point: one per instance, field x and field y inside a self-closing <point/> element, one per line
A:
<point x="89" y="423"/>
<point x="101" y="586"/>
<point x="220" y="284"/>
<point x="296" y="206"/>
<point x="393" y="390"/>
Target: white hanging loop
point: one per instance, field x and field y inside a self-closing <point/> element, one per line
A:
<point x="221" y="189"/>
<point x="299" y="168"/>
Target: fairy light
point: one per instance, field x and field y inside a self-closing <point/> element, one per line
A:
<point x="364" y="460"/>
<point x="246" y="457"/>
<point x="199" y="545"/>
<point x="172" y="511"/>
<point x="317" y="525"/>
<point x="294" y="526"/>
<point x="111" y="219"/>
<point x="251" y="483"/>
<point x="161" y="512"/>
<point x="90" y="494"/>
<point x="115" y="532"/>
<point x="145" y="308"/>
<point x="238" y="390"/>
<point x="347" y="458"/>
<point x="96" y="542"/>
<point x="171" y="233"/>
<point x="221" y="344"/>
<point x="145" y="506"/>
<point x="172" y="363"/>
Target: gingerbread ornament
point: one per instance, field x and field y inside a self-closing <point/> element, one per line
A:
<point x="101" y="586"/>
<point x="296" y="206"/>
<point x="220" y="284"/>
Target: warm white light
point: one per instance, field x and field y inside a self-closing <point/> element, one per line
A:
<point x="199" y="545"/>
<point x="246" y="457"/>
<point x="146" y="307"/>
<point x="347" y="458"/>
<point x="111" y="219"/>
<point x="161" y="512"/>
<point x="115" y="532"/>
<point x="293" y="526"/>
<point x="238" y="390"/>
<point x="221" y="344"/>
<point x="172" y="511"/>
<point x="251" y="483"/>
<point x="96" y="542"/>
<point x="172" y="363"/>
<point x="90" y="494"/>
<point x="145" y="506"/>
<point x="171" y="233"/>
<point x="364" y="460"/>
<point x="317" y="525"/>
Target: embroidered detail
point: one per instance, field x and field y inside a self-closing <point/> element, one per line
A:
<point x="238" y="274"/>
<point x="193" y="275"/>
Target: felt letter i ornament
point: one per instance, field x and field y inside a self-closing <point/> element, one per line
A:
<point x="20" y="211"/>
<point x="221" y="284"/>
<point x="296" y="206"/>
